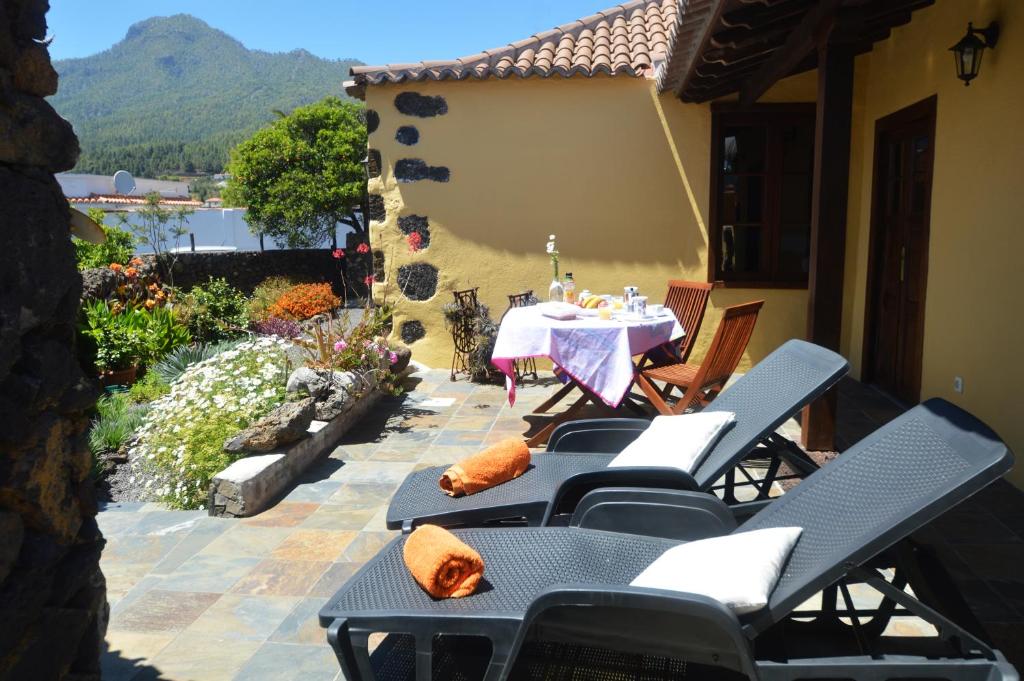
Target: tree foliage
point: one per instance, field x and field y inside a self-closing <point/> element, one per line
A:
<point x="302" y="174"/>
<point x="175" y="96"/>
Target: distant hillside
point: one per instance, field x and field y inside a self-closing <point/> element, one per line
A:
<point x="176" y="95"/>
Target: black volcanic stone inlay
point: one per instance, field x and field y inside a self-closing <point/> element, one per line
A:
<point x="416" y="223"/>
<point x="372" y="121"/>
<point x="407" y="135"/>
<point x="377" y="211"/>
<point x="415" y="169"/>
<point x="412" y="331"/>
<point x="415" y="104"/>
<point x="373" y="162"/>
<point x="378" y="265"/>
<point x="417" y="281"/>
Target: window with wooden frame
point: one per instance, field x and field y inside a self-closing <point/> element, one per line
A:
<point x="762" y="163"/>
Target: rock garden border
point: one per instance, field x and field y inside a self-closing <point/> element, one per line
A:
<point x="250" y="485"/>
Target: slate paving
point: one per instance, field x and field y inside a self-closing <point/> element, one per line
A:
<point x="195" y="598"/>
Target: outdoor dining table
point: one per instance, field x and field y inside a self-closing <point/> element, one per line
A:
<point x="595" y="354"/>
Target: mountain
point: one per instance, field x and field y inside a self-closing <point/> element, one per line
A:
<point x="175" y="95"/>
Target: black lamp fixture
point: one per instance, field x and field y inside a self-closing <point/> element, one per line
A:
<point x="967" y="52"/>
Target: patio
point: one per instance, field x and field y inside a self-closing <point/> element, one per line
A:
<point x="197" y="598"/>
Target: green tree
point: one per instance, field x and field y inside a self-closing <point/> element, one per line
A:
<point x="302" y="174"/>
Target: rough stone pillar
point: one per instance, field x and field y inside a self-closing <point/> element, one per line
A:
<point x="53" y="607"/>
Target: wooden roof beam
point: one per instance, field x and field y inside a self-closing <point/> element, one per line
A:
<point x="801" y="42"/>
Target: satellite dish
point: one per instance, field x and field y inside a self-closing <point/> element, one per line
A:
<point x="124" y="183"/>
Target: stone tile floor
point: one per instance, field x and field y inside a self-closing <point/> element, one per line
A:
<point x="195" y="598"/>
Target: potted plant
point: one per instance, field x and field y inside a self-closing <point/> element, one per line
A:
<point x="118" y="350"/>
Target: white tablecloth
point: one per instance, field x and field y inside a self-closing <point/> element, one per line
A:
<point x="596" y="353"/>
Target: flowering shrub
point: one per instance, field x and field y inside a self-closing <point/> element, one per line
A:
<point x="266" y="294"/>
<point x="362" y="349"/>
<point x="276" y="326"/>
<point x="215" y="311"/>
<point x="183" y="434"/>
<point x="304" y="301"/>
<point x="138" y="286"/>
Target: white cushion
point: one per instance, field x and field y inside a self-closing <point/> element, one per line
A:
<point x="739" y="570"/>
<point x="676" y="441"/>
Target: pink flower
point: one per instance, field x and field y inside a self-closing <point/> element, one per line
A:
<point x="393" y="357"/>
<point x="340" y="345"/>
<point x="415" y="241"/>
<point x="369" y="280"/>
<point x="337" y="254"/>
<point x="363" y="248"/>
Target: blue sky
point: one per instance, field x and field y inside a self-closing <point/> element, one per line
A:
<point x="375" y="31"/>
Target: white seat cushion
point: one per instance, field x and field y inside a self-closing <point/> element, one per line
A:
<point x="676" y="441"/>
<point x="739" y="570"/>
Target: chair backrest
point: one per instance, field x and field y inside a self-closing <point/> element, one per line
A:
<point x="724" y="353"/>
<point x="524" y="299"/>
<point x="891" y="483"/>
<point x="776" y="388"/>
<point x="688" y="300"/>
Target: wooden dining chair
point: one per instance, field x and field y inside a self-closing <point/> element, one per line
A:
<point x="688" y="300"/>
<point x="700" y="383"/>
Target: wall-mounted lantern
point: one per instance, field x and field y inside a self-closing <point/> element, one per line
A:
<point x="967" y="52"/>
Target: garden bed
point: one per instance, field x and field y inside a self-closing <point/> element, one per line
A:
<point x="251" y="484"/>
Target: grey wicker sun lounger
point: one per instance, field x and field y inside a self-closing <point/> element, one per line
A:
<point x="774" y="390"/>
<point x="570" y="586"/>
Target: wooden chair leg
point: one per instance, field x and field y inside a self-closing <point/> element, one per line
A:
<point x="542" y="436"/>
<point x="653" y="395"/>
<point x="556" y="398"/>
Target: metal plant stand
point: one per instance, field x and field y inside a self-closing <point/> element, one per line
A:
<point x="463" y="335"/>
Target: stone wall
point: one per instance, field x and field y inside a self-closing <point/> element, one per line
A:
<point x="245" y="270"/>
<point x="53" y="607"/>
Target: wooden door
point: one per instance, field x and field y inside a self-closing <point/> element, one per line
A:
<point x="898" y="263"/>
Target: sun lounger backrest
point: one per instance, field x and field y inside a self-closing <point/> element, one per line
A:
<point x="763" y="398"/>
<point x="883" y="488"/>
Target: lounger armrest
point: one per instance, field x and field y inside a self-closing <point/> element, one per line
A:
<point x="572" y="489"/>
<point x="601" y="436"/>
<point x="650" y="621"/>
<point x="671" y="514"/>
<point x="746" y="510"/>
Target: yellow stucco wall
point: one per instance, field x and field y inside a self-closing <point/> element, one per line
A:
<point x="619" y="173"/>
<point x="973" y="309"/>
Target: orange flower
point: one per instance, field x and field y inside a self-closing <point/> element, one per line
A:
<point x="131" y="272"/>
<point x="304" y="301"/>
<point x="116" y="266"/>
<point x="150" y="304"/>
<point x="153" y="288"/>
<point x="135" y="261"/>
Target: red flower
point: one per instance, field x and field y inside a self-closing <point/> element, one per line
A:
<point x="363" y="248"/>
<point x="415" y="240"/>
<point x="338" y="254"/>
<point x="369" y="280"/>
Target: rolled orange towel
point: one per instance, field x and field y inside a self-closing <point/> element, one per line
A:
<point x="441" y="563"/>
<point x="497" y="464"/>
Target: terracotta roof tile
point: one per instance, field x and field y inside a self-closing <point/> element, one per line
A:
<point x="132" y="200"/>
<point x="632" y="39"/>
